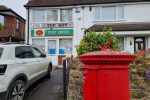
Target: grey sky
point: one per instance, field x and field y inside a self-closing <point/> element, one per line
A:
<point x="16" y="5"/>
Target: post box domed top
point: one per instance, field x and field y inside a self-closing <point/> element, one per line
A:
<point x="107" y="57"/>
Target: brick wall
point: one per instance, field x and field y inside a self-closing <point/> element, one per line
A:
<point x="10" y="27"/>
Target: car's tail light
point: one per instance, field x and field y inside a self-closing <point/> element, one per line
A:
<point x="2" y="69"/>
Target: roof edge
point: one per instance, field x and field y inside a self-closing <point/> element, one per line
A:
<point x="10" y="10"/>
<point x="86" y="3"/>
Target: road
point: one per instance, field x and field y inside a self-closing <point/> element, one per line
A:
<point x="42" y="89"/>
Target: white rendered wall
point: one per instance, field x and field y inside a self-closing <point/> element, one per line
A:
<point x="135" y="12"/>
<point x="129" y="47"/>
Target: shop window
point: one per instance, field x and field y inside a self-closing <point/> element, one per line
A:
<point x="38" y="15"/>
<point x="109" y="13"/>
<point x="40" y="44"/>
<point x="65" y="46"/>
<point x="52" y="15"/>
<point x="17" y="24"/>
<point x="2" y="20"/>
<point x="65" y="15"/>
<point x="121" y="43"/>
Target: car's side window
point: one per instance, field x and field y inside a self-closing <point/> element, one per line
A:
<point x="37" y="53"/>
<point x="23" y="52"/>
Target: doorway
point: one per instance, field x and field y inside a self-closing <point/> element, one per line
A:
<point x="139" y="43"/>
<point x="52" y="50"/>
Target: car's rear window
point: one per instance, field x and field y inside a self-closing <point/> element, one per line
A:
<point x="1" y="51"/>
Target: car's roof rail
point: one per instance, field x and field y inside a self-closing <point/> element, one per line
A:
<point x="8" y="43"/>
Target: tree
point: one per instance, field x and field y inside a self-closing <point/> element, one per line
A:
<point x="1" y="26"/>
<point x="89" y="42"/>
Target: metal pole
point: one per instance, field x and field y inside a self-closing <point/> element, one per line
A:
<point x="28" y="28"/>
<point x="64" y="77"/>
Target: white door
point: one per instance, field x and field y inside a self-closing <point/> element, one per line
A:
<point x="52" y="50"/>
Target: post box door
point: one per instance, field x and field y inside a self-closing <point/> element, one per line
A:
<point x="113" y="84"/>
<point x="89" y="84"/>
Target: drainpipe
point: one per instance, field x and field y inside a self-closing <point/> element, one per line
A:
<point x="10" y="39"/>
<point x="28" y="27"/>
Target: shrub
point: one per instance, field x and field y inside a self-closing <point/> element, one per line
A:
<point x="90" y="41"/>
<point x="140" y="62"/>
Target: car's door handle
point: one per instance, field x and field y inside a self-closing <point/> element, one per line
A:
<point x="24" y="62"/>
<point x="38" y="60"/>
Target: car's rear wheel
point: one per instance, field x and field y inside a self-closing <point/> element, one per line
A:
<point x="48" y="76"/>
<point x="17" y="90"/>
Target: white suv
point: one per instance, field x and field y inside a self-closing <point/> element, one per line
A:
<point x="20" y="66"/>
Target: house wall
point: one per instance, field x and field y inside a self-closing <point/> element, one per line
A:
<point x="10" y="27"/>
<point x="134" y="12"/>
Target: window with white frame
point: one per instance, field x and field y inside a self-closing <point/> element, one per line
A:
<point x="2" y="19"/>
<point x="65" y="46"/>
<point x="40" y="44"/>
<point x="52" y="15"/>
<point x="65" y="15"/>
<point x="38" y="15"/>
<point x="109" y="13"/>
<point x="121" y="43"/>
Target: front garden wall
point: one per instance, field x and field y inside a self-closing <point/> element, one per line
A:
<point x="139" y="88"/>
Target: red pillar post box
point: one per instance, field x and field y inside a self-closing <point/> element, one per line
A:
<point x="106" y="74"/>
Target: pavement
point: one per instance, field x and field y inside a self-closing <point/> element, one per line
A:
<point x="47" y="89"/>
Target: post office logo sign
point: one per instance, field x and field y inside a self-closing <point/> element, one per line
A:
<point x="39" y="32"/>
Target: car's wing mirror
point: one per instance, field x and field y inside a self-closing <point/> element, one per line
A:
<point x="43" y="55"/>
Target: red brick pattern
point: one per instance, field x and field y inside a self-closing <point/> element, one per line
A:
<point x="10" y="27"/>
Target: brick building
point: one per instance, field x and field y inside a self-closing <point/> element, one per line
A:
<point x="13" y="26"/>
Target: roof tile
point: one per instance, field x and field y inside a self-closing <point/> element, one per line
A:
<point x="74" y="2"/>
<point x="121" y="27"/>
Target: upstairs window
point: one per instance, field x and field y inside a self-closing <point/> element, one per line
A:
<point x="17" y="24"/>
<point x="65" y="15"/>
<point x="120" y="12"/>
<point x="109" y="13"/>
<point x="2" y="20"/>
<point x="38" y="15"/>
<point x="52" y="15"/>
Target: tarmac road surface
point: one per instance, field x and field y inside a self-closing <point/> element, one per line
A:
<point x="41" y="89"/>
